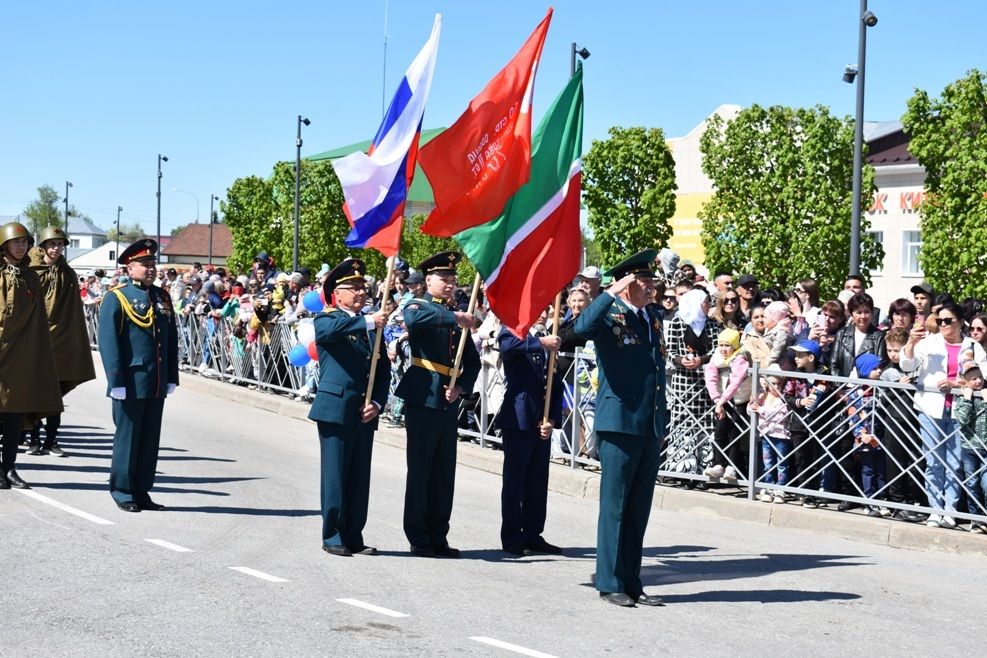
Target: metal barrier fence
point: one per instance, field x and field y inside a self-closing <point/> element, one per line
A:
<point x="851" y="441"/>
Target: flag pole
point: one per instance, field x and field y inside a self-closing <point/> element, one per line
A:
<point x="551" y="358"/>
<point x="464" y="335"/>
<point x="380" y="331"/>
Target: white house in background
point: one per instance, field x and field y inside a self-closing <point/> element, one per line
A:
<point x="102" y="257"/>
<point x="83" y="234"/>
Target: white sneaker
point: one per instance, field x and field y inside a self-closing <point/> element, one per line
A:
<point x="947" y="522"/>
<point x="202" y="368"/>
<point x="714" y="472"/>
<point x="934" y="521"/>
<point x="765" y="496"/>
<point x="885" y="512"/>
<point x="730" y="473"/>
<point x="303" y="391"/>
<point x="779" y="498"/>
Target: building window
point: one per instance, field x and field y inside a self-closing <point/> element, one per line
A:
<point x="910" y="249"/>
<point x="113" y="256"/>
<point x="879" y="239"/>
<point x="73" y="243"/>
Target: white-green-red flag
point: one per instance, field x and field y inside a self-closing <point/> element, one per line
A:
<point x="533" y="249"/>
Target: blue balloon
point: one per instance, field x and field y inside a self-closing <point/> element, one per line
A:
<point x="298" y="356"/>
<point x="312" y="302"/>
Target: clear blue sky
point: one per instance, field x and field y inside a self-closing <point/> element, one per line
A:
<point x="91" y="92"/>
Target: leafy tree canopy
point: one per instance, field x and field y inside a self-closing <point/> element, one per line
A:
<point x="782" y="199"/>
<point x="629" y="189"/>
<point x="948" y="136"/>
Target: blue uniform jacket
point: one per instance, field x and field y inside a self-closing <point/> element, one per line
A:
<point x="631" y="398"/>
<point x="142" y="360"/>
<point x="525" y="365"/>
<point x="345" y="348"/>
<point x="434" y="336"/>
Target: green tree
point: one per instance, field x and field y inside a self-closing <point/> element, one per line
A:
<point x="128" y="233"/>
<point x="592" y="248"/>
<point x="629" y="190"/>
<point x="249" y="212"/>
<point x="781" y="205"/>
<point x="44" y="210"/>
<point x="948" y="136"/>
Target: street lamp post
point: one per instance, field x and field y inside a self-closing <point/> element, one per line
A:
<point x="298" y="187"/>
<point x="866" y="19"/>
<point x="119" y="210"/>
<point x="161" y="158"/>
<point x="582" y="52"/>
<point x="212" y="220"/>
<point x="67" y="186"/>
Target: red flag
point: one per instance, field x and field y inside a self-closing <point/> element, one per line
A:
<point x="477" y="164"/>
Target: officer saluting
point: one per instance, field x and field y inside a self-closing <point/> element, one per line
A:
<point x="630" y="421"/>
<point x="344" y="339"/>
<point x="138" y="343"/>
<point x="431" y="409"/>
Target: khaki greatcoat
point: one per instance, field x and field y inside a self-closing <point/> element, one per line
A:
<point x="28" y="380"/>
<point x="66" y="321"/>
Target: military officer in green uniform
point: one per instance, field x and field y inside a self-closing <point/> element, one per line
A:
<point x="139" y="347"/>
<point x="630" y="421"/>
<point x="431" y="407"/>
<point x="344" y="339"/>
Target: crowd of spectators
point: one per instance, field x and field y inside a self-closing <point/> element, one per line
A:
<point x="927" y="447"/>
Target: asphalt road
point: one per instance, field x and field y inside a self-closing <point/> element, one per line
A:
<point x="242" y="489"/>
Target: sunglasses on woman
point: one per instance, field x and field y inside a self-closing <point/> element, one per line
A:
<point x="729" y="300"/>
<point x="945" y="321"/>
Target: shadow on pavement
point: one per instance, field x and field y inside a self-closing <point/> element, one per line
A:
<point x="687" y="571"/>
<point x="249" y="511"/>
<point x="759" y="596"/>
<point x="102" y="486"/>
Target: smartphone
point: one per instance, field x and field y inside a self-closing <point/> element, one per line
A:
<point x="920" y="319"/>
<point x="821" y="321"/>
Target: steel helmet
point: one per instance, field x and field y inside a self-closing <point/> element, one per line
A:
<point x="12" y="231"/>
<point x="52" y="233"/>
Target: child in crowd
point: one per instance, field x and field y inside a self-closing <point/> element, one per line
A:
<point x="730" y="389"/>
<point x="776" y="440"/>
<point x="970" y="413"/>
<point x="860" y="409"/>
<point x="899" y="431"/>
<point x="810" y="421"/>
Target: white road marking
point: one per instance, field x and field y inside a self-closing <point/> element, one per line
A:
<point x="65" y="508"/>
<point x="372" y="607"/>
<point x="259" y="574"/>
<point x="167" y="544"/>
<point x="500" y="644"/>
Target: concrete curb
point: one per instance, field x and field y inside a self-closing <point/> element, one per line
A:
<point x="580" y="483"/>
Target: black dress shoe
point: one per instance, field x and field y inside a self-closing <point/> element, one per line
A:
<point x="541" y="546"/>
<point x="15" y="480"/>
<point x="152" y="506"/>
<point x="446" y="551"/>
<point x="129" y="506"/>
<point x="518" y="550"/>
<point x="341" y="551"/>
<point x="3" y="482"/>
<point x="617" y="598"/>
<point x="422" y="551"/>
<point x="847" y="505"/>
<point x="363" y="550"/>
<point x="648" y="599"/>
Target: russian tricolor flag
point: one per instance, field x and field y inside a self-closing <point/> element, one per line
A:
<point x="375" y="184"/>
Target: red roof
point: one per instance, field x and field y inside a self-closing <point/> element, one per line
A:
<point x="193" y="240"/>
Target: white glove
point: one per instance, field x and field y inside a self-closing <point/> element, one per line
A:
<point x="171" y="389"/>
<point x="118" y="393"/>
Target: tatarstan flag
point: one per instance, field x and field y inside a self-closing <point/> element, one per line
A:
<point x="533" y="249"/>
<point x="481" y="160"/>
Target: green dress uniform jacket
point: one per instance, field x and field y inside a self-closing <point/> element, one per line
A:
<point x="138" y="343"/>
<point x="66" y="321"/>
<point x="431" y="422"/>
<point x="345" y="349"/>
<point x="631" y="421"/>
